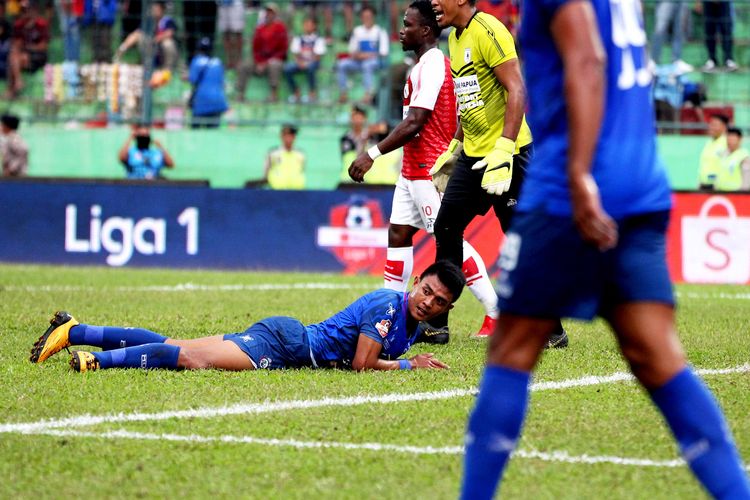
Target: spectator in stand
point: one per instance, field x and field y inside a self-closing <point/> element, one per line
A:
<point x="231" y="27"/>
<point x="368" y="47"/>
<point x="354" y="141"/>
<point x="285" y="165"/>
<point x="717" y="18"/>
<point x="5" y="31"/>
<point x="28" y="50"/>
<point x="506" y="11"/>
<point x="733" y="169"/>
<point x="207" y="99"/>
<point x="670" y="17"/>
<point x="307" y="49"/>
<point x="98" y="18"/>
<point x="163" y="39"/>
<point x="270" y="45"/>
<point x="13" y="149"/>
<point x="357" y="140"/>
<point x="143" y="157"/>
<point x="714" y="151"/>
<point x="69" y="13"/>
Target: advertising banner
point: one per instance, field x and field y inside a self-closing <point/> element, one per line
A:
<point x="196" y="227"/>
<point x="709" y="240"/>
<point x="343" y="231"/>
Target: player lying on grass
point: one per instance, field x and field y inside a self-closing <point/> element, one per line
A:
<point x="370" y="334"/>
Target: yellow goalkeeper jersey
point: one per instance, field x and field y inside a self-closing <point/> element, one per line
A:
<point x="484" y="44"/>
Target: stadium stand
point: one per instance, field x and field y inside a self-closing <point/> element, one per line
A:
<point x="56" y="114"/>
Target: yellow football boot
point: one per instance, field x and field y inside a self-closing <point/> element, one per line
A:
<point x="82" y="361"/>
<point x="55" y="339"/>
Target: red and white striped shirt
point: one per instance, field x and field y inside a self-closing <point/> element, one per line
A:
<point x="429" y="86"/>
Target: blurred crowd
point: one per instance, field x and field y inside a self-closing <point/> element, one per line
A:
<point x="221" y="47"/>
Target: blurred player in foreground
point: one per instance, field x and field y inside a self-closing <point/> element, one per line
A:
<point x="484" y="164"/>
<point x="588" y="238"/>
<point x="428" y="127"/>
<point x="370" y="334"/>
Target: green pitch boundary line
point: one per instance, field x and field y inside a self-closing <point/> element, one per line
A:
<point x="279" y="406"/>
<point x="553" y="456"/>
<point x="270" y="287"/>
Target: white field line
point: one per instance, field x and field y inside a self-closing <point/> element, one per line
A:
<point x="556" y="456"/>
<point x="263" y="287"/>
<point x="191" y="287"/>
<point x="278" y="406"/>
<point x="713" y="295"/>
<point x="553" y="456"/>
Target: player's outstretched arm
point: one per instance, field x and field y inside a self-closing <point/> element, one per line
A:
<point x="368" y="352"/>
<point x="576" y="35"/>
<point x="403" y="133"/>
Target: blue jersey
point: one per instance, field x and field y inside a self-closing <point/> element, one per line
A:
<point x="379" y="315"/>
<point x="207" y="76"/>
<point x="629" y="174"/>
<point x="144" y="163"/>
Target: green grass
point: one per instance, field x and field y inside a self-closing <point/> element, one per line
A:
<point x="611" y="419"/>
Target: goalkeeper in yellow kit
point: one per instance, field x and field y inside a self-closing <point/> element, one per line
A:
<point x="485" y="163"/>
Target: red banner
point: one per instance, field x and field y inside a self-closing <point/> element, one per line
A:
<point x="709" y="238"/>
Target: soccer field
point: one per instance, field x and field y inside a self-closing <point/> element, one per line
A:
<point x="591" y="432"/>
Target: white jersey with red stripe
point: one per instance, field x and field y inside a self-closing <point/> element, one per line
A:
<point x="429" y="86"/>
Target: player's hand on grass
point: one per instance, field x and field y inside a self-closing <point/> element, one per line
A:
<point x="360" y="167"/>
<point x="594" y="224"/>
<point x="426" y="360"/>
<point x="498" y="165"/>
<point x="443" y="168"/>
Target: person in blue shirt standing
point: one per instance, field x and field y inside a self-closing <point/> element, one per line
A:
<point x="372" y="333"/>
<point x="588" y="239"/>
<point x="207" y="99"/>
<point x="99" y="17"/>
<point x="142" y="156"/>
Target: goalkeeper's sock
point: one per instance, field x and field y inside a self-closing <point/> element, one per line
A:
<point x="112" y="337"/>
<point x="141" y="356"/>
<point x="398" y="266"/>
<point x="702" y="433"/>
<point x="494" y="427"/>
<point x="478" y="280"/>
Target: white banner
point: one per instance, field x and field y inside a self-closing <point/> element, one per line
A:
<point x="716" y="248"/>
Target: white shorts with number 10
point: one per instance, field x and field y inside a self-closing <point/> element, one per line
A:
<point x="415" y="203"/>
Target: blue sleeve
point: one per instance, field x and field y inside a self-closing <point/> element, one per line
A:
<point x="169" y="24"/>
<point x="157" y="158"/>
<point x="375" y="321"/>
<point x="194" y="69"/>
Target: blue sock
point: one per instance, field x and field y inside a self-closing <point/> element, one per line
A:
<point x="140" y="356"/>
<point x="113" y="337"/>
<point x="494" y="428"/>
<point x="702" y="433"/>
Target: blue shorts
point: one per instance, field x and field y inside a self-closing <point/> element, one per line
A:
<point x="273" y="343"/>
<point x="548" y="271"/>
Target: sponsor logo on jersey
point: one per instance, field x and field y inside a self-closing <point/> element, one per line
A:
<point x="382" y="327"/>
<point x="391" y="310"/>
<point x="467" y="55"/>
<point x="265" y="362"/>
<point x="468" y="84"/>
<point x="247" y="338"/>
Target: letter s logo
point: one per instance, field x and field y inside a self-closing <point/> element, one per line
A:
<point x="710" y="241"/>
